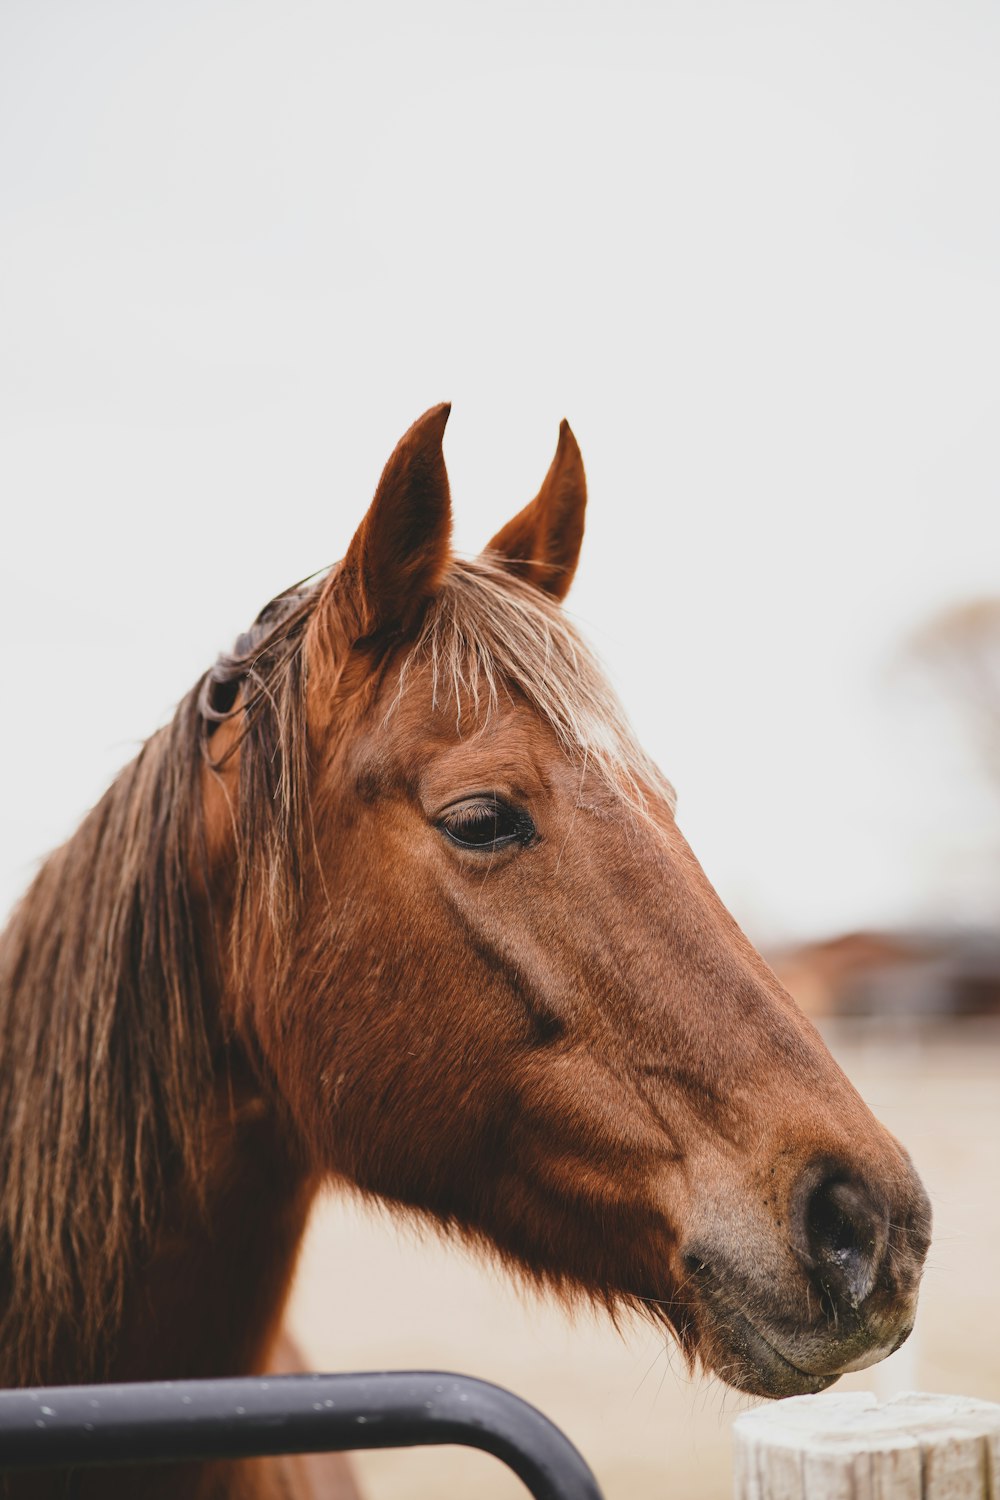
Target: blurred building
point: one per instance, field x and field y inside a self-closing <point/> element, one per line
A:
<point x="915" y="974"/>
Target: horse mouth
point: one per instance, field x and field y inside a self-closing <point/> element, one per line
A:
<point x="735" y="1349"/>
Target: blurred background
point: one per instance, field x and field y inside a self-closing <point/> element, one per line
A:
<point x="752" y="251"/>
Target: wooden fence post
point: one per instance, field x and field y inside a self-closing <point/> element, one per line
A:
<point x="849" y="1446"/>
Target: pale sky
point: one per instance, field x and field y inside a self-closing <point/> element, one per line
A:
<point x="752" y="251"/>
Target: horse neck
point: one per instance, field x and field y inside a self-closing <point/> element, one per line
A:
<point x="209" y="1295"/>
<point x="207" y="1300"/>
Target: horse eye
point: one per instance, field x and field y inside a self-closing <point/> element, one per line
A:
<point x="486" y="823"/>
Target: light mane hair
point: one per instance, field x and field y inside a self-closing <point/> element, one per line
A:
<point x="488" y="630"/>
<point x="110" y="966"/>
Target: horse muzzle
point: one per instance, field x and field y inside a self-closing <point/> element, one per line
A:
<point x="839" y="1294"/>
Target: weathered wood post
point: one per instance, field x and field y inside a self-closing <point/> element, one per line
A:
<point x="849" y="1446"/>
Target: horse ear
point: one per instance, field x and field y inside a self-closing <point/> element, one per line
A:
<point x="399" y="552"/>
<point x="542" y="542"/>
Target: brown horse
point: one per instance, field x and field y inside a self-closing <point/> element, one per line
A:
<point x="397" y="900"/>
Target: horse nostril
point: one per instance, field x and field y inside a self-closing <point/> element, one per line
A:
<point x="846" y="1236"/>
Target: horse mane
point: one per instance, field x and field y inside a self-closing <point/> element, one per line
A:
<point x="109" y="1036"/>
<point x="109" y="970"/>
<point x="105" y="1055"/>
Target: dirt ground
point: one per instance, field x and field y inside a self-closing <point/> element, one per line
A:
<point x="370" y="1295"/>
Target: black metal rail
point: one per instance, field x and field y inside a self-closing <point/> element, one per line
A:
<point x="74" y="1426"/>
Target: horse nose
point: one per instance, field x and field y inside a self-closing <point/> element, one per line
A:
<point x="842" y="1236"/>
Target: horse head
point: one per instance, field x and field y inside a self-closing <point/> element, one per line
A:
<point x="510" y="1000"/>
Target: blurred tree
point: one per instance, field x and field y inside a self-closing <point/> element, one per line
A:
<point x="960" y="649"/>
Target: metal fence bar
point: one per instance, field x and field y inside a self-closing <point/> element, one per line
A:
<point x="171" y="1421"/>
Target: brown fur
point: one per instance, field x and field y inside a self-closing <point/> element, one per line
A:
<point x="260" y="964"/>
